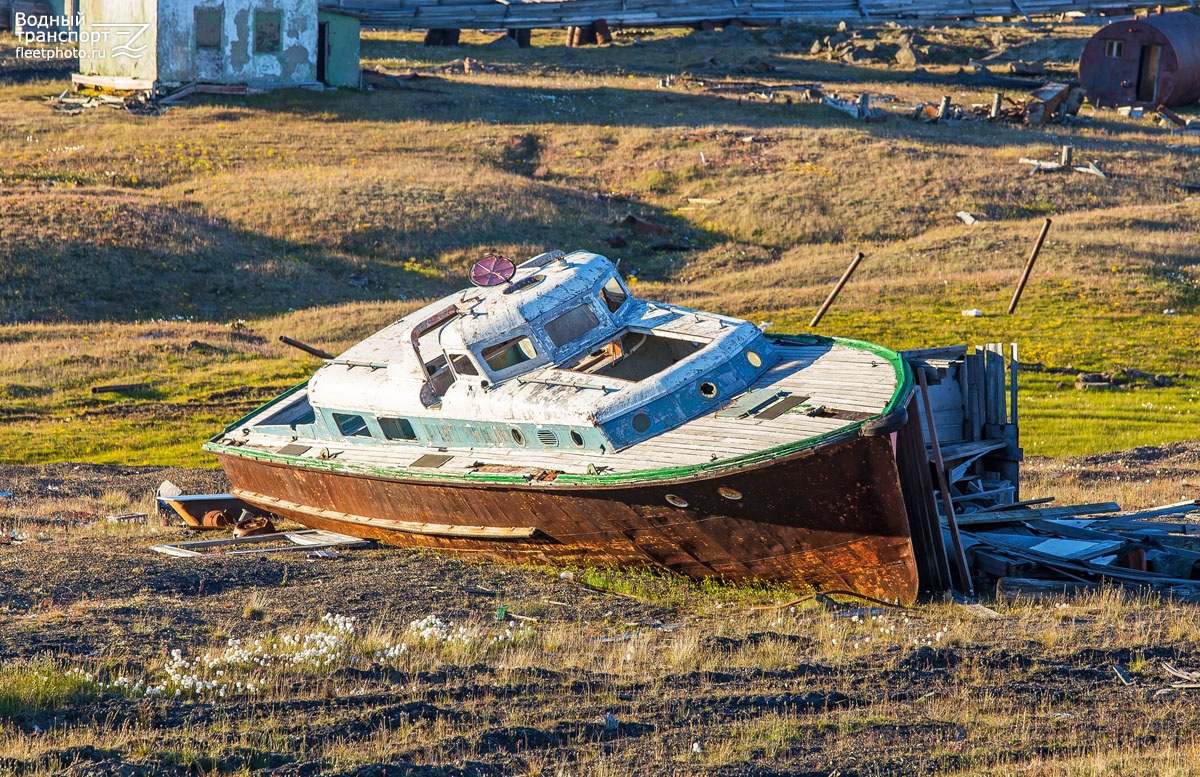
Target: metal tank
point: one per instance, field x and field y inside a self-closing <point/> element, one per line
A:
<point x="1144" y="62"/>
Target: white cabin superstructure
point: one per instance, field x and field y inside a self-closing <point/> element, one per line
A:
<point x="564" y="344"/>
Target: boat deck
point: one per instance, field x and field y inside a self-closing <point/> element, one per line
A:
<point x="850" y="381"/>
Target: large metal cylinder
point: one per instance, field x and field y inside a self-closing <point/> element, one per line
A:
<point x="1144" y="62"/>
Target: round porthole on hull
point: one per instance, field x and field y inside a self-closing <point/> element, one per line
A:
<point x="517" y="436"/>
<point x="678" y="501"/>
<point x="729" y="493"/>
<point x="641" y="422"/>
<point x="577" y="438"/>
<point x="708" y="389"/>
<point x="754" y="359"/>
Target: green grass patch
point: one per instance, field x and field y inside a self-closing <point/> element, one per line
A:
<point x="42" y="685"/>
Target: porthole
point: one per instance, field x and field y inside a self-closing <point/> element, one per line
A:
<point x="548" y="438"/>
<point x="518" y="438"/>
<point x="729" y="493"/>
<point x="708" y="390"/>
<point x="577" y="438"/>
<point x="678" y="501"/>
<point x="754" y="359"/>
<point x="641" y="422"/>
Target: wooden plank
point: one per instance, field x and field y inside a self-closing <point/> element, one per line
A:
<point x="976" y="398"/>
<point x="1020" y="516"/>
<point x="994" y="377"/>
<point x="1155" y="512"/>
<point x="960" y="558"/>
<point x="306" y="539"/>
<point x="1038" y="590"/>
<point x="969" y="449"/>
<point x="1012" y="391"/>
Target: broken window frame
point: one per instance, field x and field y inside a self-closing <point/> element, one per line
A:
<point x="203" y="22"/>
<point x="614" y="298"/>
<point x="505" y="346"/>
<point x="351" y="424"/>
<point x="263" y="42"/>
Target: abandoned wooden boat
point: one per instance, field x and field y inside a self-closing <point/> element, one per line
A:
<point x="546" y="414"/>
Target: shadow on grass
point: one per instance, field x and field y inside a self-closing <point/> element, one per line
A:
<point x="127" y="257"/>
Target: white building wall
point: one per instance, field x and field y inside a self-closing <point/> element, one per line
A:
<point x="180" y="61"/>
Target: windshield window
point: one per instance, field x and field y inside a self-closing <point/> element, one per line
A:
<point x="572" y="325"/>
<point x="462" y="364"/>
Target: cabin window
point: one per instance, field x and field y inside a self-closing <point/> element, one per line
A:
<point x="208" y="28"/>
<point x="462" y="364"/>
<point x="397" y="429"/>
<point x="1114" y="48"/>
<point x="572" y="325"/>
<point x="351" y="425"/>
<point x="613" y="294"/>
<point x="509" y="353"/>
<point x="266" y="32"/>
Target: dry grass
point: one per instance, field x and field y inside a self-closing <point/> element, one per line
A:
<point x="323" y="216"/>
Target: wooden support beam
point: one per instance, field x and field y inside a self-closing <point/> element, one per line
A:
<point x="960" y="555"/>
<point x="309" y="349"/>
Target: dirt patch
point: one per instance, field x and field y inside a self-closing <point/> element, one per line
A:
<point x="678" y="679"/>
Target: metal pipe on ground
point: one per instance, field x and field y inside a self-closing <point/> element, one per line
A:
<point x="837" y="289"/>
<point x="1037" y="248"/>
<point x="309" y="349"/>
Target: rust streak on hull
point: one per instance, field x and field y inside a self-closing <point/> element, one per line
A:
<point x="832" y="517"/>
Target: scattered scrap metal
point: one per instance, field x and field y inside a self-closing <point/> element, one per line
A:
<point x="311" y="540"/>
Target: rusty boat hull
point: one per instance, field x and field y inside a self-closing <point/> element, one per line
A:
<point x="830" y="515"/>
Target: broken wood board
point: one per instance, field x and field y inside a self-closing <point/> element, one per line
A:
<point x="279" y="542"/>
<point x="1034" y="514"/>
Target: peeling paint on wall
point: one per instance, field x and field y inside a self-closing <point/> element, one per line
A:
<point x="174" y="56"/>
<point x="238" y="61"/>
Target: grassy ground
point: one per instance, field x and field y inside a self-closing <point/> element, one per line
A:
<point x="128" y="243"/>
<point x="121" y="661"/>
<point x="174" y="250"/>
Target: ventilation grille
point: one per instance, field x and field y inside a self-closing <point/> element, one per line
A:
<point x="547" y="438"/>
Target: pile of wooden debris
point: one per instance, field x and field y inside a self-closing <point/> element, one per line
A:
<point x="971" y="530"/>
<point x="1049" y="103"/>
<point x="1023" y="550"/>
<point x="74" y="103"/>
